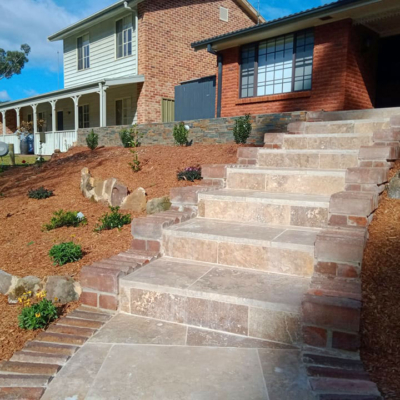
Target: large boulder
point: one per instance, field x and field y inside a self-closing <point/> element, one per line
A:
<point x="63" y="289"/>
<point x="136" y="201"/>
<point x="158" y="205"/>
<point x="118" y="194"/>
<point x="5" y="282"/>
<point x="24" y="285"/>
<point x="86" y="184"/>
<point x="394" y="187"/>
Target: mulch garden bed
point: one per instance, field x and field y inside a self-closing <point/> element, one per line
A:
<point x="24" y="246"/>
<point x="381" y="295"/>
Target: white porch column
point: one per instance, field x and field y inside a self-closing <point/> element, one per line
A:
<point x="53" y="115"/>
<point x="76" y="103"/>
<point x="3" y="113"/>
<point x="105" y="105"/>
<point x="17" y="109"/>
<point x="101" y="98"/>
<point x="34" y="108"/>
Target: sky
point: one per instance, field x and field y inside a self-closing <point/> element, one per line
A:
<point x="32" y="21"/>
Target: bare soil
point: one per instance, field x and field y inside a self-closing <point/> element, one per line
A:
<point x="381" y="295"/>
<point x="24" y="246"/>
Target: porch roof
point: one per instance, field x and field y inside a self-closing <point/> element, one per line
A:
<point x="315" y="16"/>
<point x="72" y="91"/>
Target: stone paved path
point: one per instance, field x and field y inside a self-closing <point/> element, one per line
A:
<point x="139" y="358"/>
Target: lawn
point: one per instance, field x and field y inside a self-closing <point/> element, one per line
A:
<point x="19" y="159"/>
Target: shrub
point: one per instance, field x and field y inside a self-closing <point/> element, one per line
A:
<point x="242" y="129"/>
<point x="113" y="220"/>
<point x="189" y="174"/>
<point x="181" y="134"/>
<point x="65" y="253"/>
<point x="135" y="164"/>
<point x="65" y="218"/>
<point x="92" y="140"/>
<point x="130" y="137"/>
<point x="40" y="193"/>
<point x="37" y="315"/>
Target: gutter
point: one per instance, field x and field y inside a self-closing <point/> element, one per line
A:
<point x="314" y="12"/>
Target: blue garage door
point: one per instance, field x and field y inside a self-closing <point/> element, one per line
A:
<point x="195" y="99"/>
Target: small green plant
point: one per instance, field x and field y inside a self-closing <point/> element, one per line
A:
<point x="113" y="220"/>
<point x="40" y="161"/>
<point x="181" y="134"/>
<point x="37" y="315"/>
<point x="135" y="164"/>
<point x="242" y="129"/>
<point x="65" y="253"/>
<point x="92" y="140"/>
<point x="65" y="218"/>
<point x="131" y="137"/>
<point x="40" y="193"/>
<point x="189" y="174"/>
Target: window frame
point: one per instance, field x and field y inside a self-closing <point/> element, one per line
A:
<point x="255" y="82"/>
<point x="83" y="52"/>
<point x="122" y="32"/>
<point x="81" y="123"/>
<point x="122" y="110"/>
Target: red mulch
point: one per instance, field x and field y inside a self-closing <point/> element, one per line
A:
<point x="24" y="246"/>
<point x="381" y="294"/>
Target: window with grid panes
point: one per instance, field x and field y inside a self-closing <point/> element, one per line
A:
<point x="84" y="116"/>
<point x="83" y="52"/>
<point x="277" y="65"/>
<point x="124" y="37"/>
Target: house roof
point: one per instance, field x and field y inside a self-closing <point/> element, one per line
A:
<point x="302" y="15"/>
<point x="118" y="7"/>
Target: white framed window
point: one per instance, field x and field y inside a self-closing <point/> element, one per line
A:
<point x="223" y="14"/>
<point x="123" y="111"/>
<point x="84" y="116"/>
<point x="42" y="116"/>
<point x="83" y="52"/>
<point x="124" y="35"/>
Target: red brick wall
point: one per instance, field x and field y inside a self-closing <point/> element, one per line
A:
<point x="337" y="66"/>
<point x="11" y="122"/>
<point x="166" y="30"/>
<point x="361" y="68"/>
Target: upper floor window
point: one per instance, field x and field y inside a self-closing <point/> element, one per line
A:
<point x="83" y="52"/>
<point x="278" y="65"/>
<point x="124" y="37"/>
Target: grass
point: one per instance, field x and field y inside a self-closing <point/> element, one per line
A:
<point x="29" y="159"/>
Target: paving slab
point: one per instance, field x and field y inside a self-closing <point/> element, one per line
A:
<point x="131" y="329"/>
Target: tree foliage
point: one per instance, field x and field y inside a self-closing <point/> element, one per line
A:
<point x="12" y="62"/>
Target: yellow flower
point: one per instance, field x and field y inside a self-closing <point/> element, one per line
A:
<point x="37" y="315"/>
<point x="55" y="298"/>
<point x="19" y="299"/>
<point x="38" y="294"/>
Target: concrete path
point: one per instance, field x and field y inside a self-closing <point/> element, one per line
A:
<point x="140" y="358"/>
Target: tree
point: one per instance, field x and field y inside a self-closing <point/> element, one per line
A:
<point x="12" y="62"/>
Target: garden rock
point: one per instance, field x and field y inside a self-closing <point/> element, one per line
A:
<point x="23" y="285"/>
<point x="5" y="282"/>
<point x="158" y="205"/>
<point x="108" y="188"/>
<point x="119" y="193"/>
<point x="63" y="288"/>
<point x="86" y="187"/>
<point x="136" y="201"/>
<point x="394" y="188"/>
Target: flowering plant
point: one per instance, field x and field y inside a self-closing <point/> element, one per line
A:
<point x="36" y="314"/>
<point x="189" y="174"/>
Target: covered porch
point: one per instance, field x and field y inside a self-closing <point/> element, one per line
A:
<point x="57" y="116"/>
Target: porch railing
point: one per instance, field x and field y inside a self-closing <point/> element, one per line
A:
<point x="61" y="140"/>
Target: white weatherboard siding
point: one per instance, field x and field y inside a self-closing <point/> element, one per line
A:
<point x="103" y="61"/>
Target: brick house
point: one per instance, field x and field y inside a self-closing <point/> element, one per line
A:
<point x="122" y="63"/>
<point x="339" y="56"/>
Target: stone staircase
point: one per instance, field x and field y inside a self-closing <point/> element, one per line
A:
<point x="273" y="258"/>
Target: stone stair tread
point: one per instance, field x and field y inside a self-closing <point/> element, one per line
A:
<point x="220" y="283"/>
<point x="257" y="196"/>
<point x="302" y="238"/>
<point x="23" y="380"/>
<point x="288" y="171"/>
<point x="308" y="151"/>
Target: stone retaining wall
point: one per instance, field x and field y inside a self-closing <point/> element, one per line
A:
<point x="212" y="131"/>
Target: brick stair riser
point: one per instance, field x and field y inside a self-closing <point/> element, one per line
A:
<point x="280" y="327"/>
<point x="183" y="198"/>
<point x="247" y="155"/>
<point x="214" y="175"/>
<point x="287" y="260"/>
<point x="258" y="212"/>
<point x="304" y="160"/>
<point x="279" y="182"/>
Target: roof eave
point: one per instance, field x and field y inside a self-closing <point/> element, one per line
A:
<point x="320" y="11"/>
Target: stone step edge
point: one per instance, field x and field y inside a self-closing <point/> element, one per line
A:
<point x="288" y="171"/>
<point x="28" y="349"/>
<point x="309" y="151"/>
